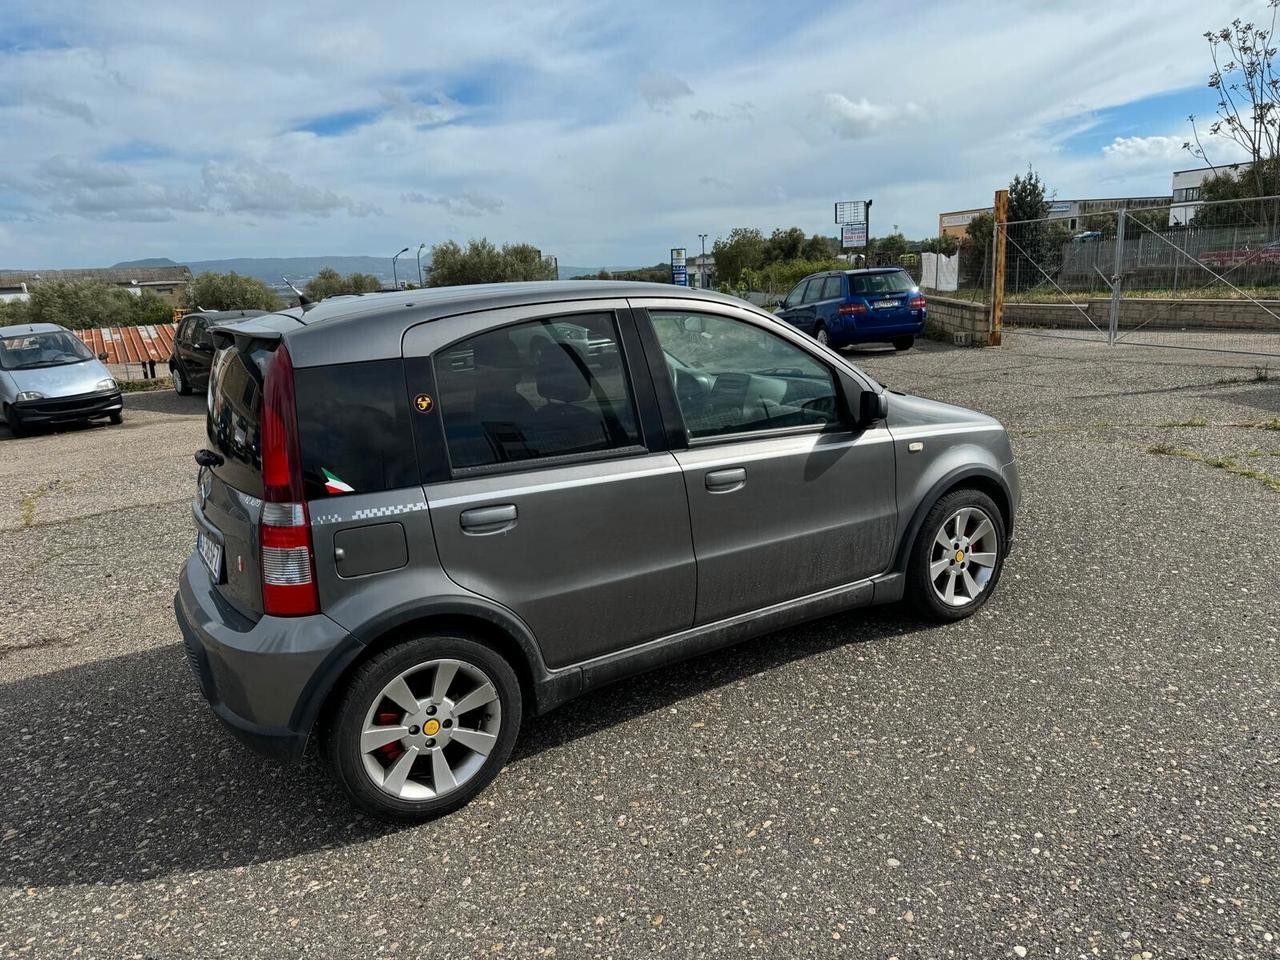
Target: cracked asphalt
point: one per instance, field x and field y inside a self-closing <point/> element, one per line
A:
<point x="1089" y="767"/>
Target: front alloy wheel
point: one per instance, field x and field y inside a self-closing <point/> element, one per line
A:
<point x="423" y="726"/>
<point x="956" y="560"/>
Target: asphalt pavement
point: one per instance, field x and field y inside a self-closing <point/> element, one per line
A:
<point x="1088" y="767"/>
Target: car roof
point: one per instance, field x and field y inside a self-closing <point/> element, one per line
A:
<point x="371" y="326"/>
<point x="861" y="270"/>
<point x="225" y="314"/>
<point x="17" y="329"/>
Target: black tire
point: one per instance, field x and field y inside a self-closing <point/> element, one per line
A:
<point x="904" y="343"/>
<point x="116" y="418"/>
<point x="920" y="592"/>
<point x="181" y="385"/>
<point x="341" y="729"/>
<point x="16" y="426"/>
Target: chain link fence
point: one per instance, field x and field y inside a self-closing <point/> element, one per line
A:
<point x="1206" y="278"/>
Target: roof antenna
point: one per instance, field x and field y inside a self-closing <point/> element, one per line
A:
<point x="303" y="302"/>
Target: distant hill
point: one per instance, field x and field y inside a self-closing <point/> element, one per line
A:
<point x="148" y="262"/>
<point x="298" y="269"/>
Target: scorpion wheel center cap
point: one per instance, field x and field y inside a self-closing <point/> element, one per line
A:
<point x="959" y="556"/>
<point x="431" y="727"/>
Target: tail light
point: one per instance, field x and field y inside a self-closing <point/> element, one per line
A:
<point x="288" y="558"/>
<point x="916" y="303"/>
<point x="849" y="309"/>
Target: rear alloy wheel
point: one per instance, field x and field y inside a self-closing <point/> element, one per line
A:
<point x="821" y="336"/>
<point x="180" y="384"/>
<point x="904" y="343"/>
<point x="956" y="560"/>
<point x="424" y="727"/>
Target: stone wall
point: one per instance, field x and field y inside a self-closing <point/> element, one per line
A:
<point x="1151" y="314"/>
<point x="948" y="317"/>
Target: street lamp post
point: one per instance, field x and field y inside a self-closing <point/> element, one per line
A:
<point x="702" y="261"/>
<point x="395" y="280"/>
<point x="420" y="248"/>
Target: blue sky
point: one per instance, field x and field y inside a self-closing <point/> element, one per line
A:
<point x="601" y="132"/>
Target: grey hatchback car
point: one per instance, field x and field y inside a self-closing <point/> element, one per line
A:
<point x="425" y="515"/>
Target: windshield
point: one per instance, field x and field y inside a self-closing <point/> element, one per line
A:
<point x="28" y="351"/>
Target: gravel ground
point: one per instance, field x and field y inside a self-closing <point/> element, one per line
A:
<point x="1089" y="767"/>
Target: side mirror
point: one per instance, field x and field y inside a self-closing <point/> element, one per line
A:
<point x="872" y="407"/>
<point x="103" y="356"/>
<point x="694" y="325"/>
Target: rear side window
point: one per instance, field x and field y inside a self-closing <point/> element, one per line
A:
<point x="831" y="288"/>
<point x="870" y="284"/>
<point x="545" y="388"/>
<point x="354" y="429"/>
<point x="234" y="415"/>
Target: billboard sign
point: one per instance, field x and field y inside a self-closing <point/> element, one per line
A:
<point x="851" y="211"/>
<point x="853" y="235"/>
<point x="679" y="269"/>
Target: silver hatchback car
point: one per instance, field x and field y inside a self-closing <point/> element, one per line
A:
<point x="49" y="377"/>
<point x="422" y="516"/>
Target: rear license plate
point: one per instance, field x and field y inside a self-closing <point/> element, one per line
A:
<point x="210" y="551"/>
<point x="885" y="304"/>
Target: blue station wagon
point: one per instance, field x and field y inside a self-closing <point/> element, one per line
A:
<point x="857" y="306"/>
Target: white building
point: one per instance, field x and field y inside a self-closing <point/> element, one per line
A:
<point x="1186" y="190"/>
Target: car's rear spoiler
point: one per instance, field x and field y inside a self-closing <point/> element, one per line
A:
<point x="269" y="326"/>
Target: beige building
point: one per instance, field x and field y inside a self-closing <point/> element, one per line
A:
<point x="954" y="224"/>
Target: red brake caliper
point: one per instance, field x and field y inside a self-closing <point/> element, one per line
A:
<point x="391" y="751"/>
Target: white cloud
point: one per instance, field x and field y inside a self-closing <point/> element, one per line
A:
<point x="469" y="203"/>
<point x="251" y="187"/>
<point x="1145" y="149"/>
<point x="857" y="119"/>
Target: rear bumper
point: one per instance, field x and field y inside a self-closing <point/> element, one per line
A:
<point x="871" y="331"/>
<point x="68" y="409"/>
<point x="265" y="679"/>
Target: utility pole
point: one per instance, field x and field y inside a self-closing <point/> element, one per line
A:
<point x="420" y="249"/>
<point x="997" y="266"/>
<point x="702" y="262"/>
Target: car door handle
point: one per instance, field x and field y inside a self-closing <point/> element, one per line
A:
<point x="484" y="520"/>
<point x="726" y="481"/>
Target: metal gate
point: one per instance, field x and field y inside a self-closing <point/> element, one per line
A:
<point x="1190" y="276"/>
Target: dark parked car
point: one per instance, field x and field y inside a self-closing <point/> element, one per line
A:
<point x="845" y="307"/>
<point x="411" y="533"/>
<point x="193" y="348"/>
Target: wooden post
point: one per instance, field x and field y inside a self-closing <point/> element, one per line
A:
<point x="997" y="266"/>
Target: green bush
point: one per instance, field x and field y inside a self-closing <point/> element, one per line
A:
<point x="79" y="305"/>
<point x="230" y="291"/>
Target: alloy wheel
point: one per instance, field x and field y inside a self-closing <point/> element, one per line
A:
<point x="963" y="556"/>
<point x="821" y="337"/>
<point x="178" y="385"/>
<point x="430" y="729"/>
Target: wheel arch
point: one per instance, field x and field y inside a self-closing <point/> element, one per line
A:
<point x="541" y="688"/>
<point x="978" y="476"/>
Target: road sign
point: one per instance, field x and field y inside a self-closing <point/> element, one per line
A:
<point x="851" y="211"/>
<point x="853" y="235"/>
<point x="679" y="270"/>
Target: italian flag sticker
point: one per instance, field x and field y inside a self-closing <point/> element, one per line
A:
<point x="333" y="485"/>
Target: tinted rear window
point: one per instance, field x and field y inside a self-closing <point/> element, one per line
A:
<point x="234" y="416"/>
<point x="353" y="421"/>
<point x="870" y="284"/>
